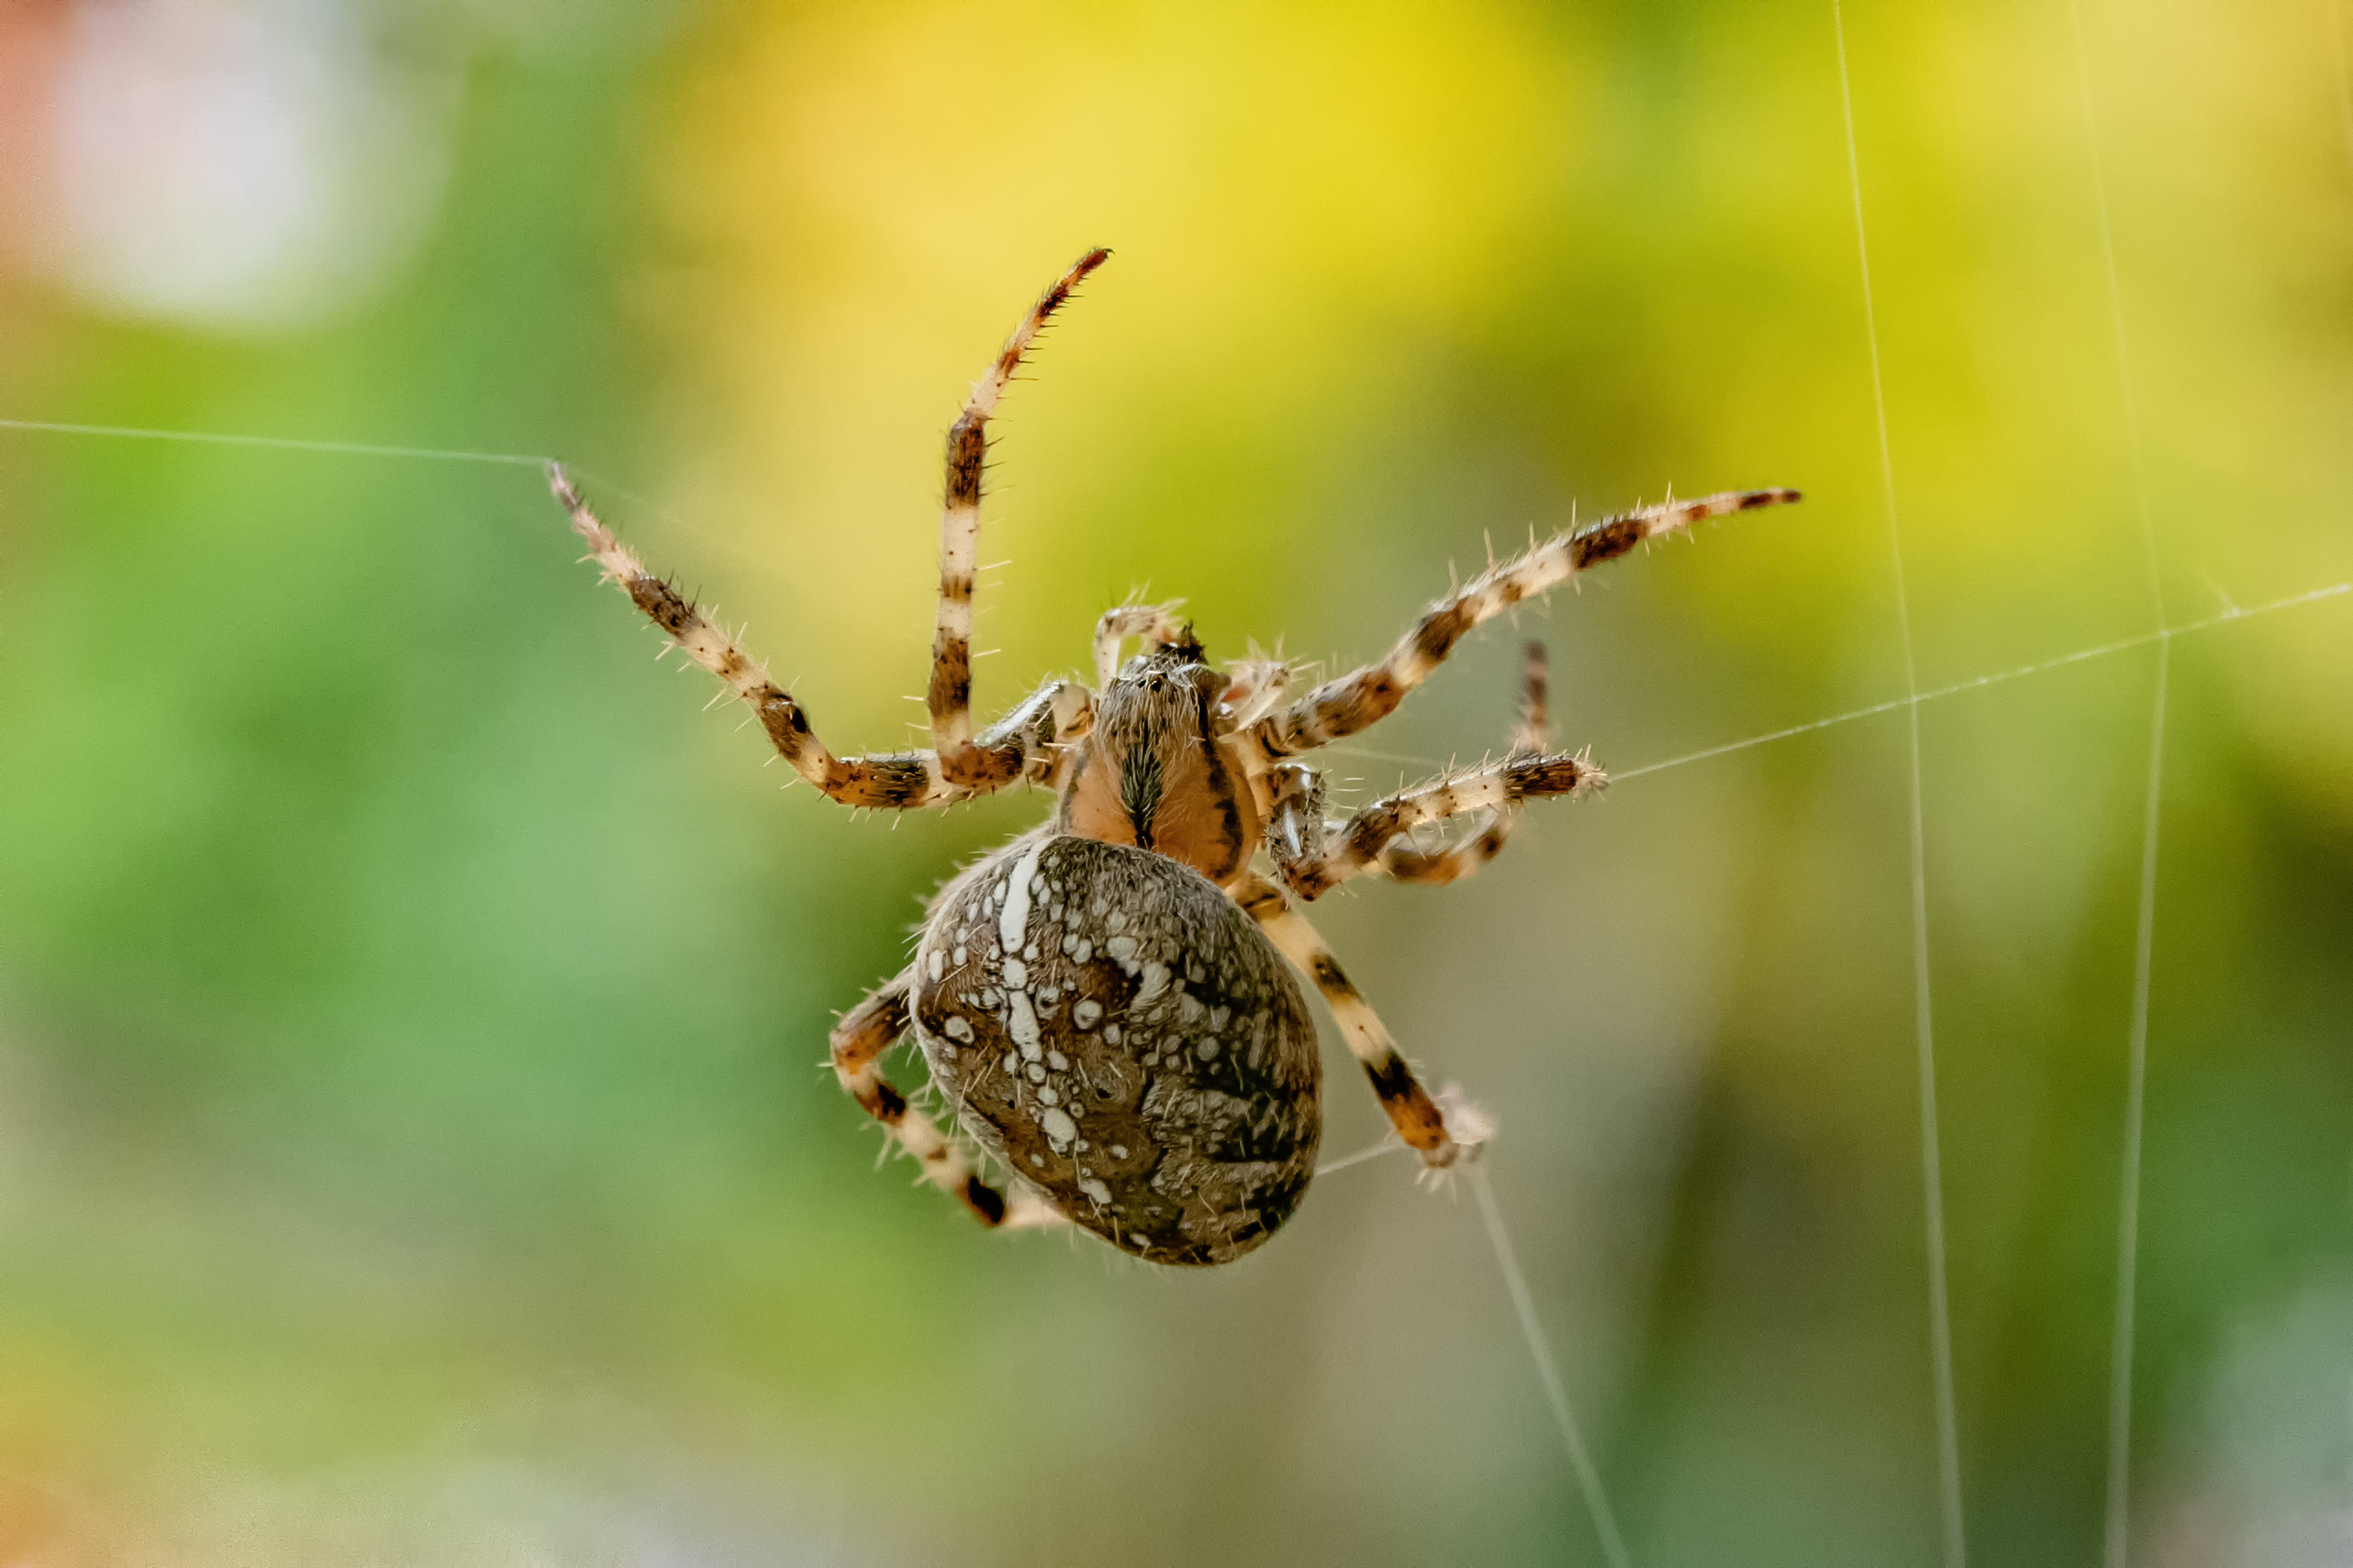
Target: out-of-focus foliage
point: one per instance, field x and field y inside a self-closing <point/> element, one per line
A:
<point x="413" y="1141"/>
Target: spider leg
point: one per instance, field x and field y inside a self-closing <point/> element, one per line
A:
<point x="1417" y="1117"/>
<point x="1296" y="830"/>
<point x="1024" y="744"/>
<point x="1362" y="698"/>
<point x="859" y="1041"/>
<point x="1368" y="841"/>
<point x="1401" y="862"/>
<point x="962" y="763"/>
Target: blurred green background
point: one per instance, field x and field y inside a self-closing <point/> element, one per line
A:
<point x="414" y="1146"/>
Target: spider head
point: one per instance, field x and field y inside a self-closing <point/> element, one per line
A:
<point x="1151" y="773"/>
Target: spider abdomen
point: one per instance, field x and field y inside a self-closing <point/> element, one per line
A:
<point x="1120" y="1034"/>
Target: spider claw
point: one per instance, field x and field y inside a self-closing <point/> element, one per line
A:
<point x="1469" y="1128"/>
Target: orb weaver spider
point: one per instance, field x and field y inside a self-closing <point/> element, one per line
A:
<point x="1104" y="1001"/>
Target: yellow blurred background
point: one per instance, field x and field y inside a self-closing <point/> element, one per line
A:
<point x="414" y="1141"/>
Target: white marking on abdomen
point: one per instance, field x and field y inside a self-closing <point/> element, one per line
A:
<point x="1023" y="1025"/>
<point x="1014" y="922"/>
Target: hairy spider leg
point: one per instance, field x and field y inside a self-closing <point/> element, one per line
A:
<point x="950" y="696"/>
<point x="1402" y="861"/>
<point x="1296" y="828"/>
<point x="1534" y="725"/>
<point x="1367" y="839"/>
<point x="1024" y="744"/>
<point x="1362" y="698"/>
<point x="859" y="1039"/>
<point x="1411" y="1111"/>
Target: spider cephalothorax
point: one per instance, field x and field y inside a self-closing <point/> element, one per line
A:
<point x="1104" y="1001"/>
<point x="1151" y="773"/>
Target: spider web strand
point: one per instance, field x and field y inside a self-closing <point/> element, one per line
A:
<point x="1872" y="710"/>
<point x="2128" y="1207"/>
<point x="1940" y="1329"/>
<point x="274" y="443"/>
<point x="369" y="448"/>
<point x="1580" y="1458"/>
<point x="1358" y="1158"/>
<point x="2335" y="590"/>
<point x="2117" y="1537"/>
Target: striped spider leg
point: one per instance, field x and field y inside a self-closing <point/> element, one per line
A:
<point x="958" y="767"/>
<point x="1358" y="700"/>
<point x="949" y="696"/>
<point x="1294" y="841"/>
<point x="1426" y="1128"/>
<point x="860" y="1040"/>
<point x="1290" y="795"/>
<point x="1024" y="744"/>
<point x="1401" y="862"/>
<point x="1376" y="839"/>
<point x="1030" y="743"/>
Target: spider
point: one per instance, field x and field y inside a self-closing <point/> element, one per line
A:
<point x="1104" y="1000"/>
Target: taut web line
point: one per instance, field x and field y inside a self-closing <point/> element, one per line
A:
<point x="1940" y="1324"/>
<point x="1358" y="1158"/>
<point x="370" y="449"/>
<point x="2128" y="1207"/>
<point x="2122" y="645"/>
<point x="274" y="443"/>
<point x="1872" y="710"/>
<point x="2118" y="1534"/>
<point x="1572" y="1437"/>
<point x="1580" y="1458"/>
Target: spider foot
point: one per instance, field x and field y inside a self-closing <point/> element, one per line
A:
<point x="1468" y="1129"/>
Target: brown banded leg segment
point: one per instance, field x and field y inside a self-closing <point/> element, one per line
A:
<point x="1411" y="1109"/>
<point x="950" y="696"/>
<point x="865" y="1032"/>
<point x="1295" y="823"/>
<point x="1403" y="862"/>
<point x="1156" y="624"/>
<point x="1297" y="831"/>
<point x="1358" y="700"/>
<point x="1534" y="727"/>
<point x="1021" y="745"/>
<point x="1031" y="742"/>
<point x="1363" y="843"/>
